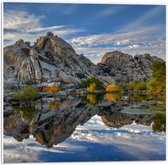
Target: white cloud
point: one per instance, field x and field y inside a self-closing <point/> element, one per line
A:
<point x="120" y="38"/>
<point x="92" y="135"/>
<point x="40" y="29"/>
<point x="20" y="20"/>
<point x="133" y="46"/>
<point x="23" y="25"/>
<point x="110" y="11"/>
<point x="153" y="46"/>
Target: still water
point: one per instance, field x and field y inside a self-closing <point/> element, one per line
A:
<point x="91" y="128"/>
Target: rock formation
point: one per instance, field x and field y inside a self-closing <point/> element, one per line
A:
<point x="125" y="68"/>
<point x="51" y="59"/>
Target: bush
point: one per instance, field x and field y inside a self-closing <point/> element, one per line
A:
<point x="157" y="83"/>
<point x="131" y="85"/>
<point x="91" y="87"/>
<point x="51" y="89"/>
<point x="112" y="88"/>
<point x="137" y="86"/>
<point x="140" y="86"/>
<point x="26" y="94"/>
<point x="93" y="84"/>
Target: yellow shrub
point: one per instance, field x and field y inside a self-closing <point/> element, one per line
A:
<point x="111" y="87"/>
<point x="110" y="97"/>
<point x="51" y="89"/>
<point x="91" y="87"/>
<point x="91" y="99"/>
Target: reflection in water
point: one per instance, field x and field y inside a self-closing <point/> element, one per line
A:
<point x="53" y="121"/>
<point x="111" y="97"/>
<point x="159" y="123"/>
<point x="54" y="105"/>
<point x="94" y="99"/>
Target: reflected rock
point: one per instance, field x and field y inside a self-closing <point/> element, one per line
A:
<point x="16" y="126"/>
<point x="55" y="129"/>
<point x="52" y="125"/>
<point x="117" y="119"/>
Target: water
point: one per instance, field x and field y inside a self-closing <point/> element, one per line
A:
<point x="92" y="128"/>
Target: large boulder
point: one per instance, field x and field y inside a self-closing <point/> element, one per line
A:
<point x="126" y="68"/>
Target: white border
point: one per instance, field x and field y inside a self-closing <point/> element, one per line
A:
<point x="145" y="2"/>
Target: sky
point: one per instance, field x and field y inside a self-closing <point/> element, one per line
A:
<point x="130" y="142"/>
<point x="92" y="29"/>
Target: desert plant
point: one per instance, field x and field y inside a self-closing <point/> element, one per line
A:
<point x="91" y="87"/>
<point x="26" y="94"/>
<point x="157" y="83"/>
<point x="93" y="83"/>
<point x="140" y="86"/>
<point x="112" y="88"/>
<point x="51" y="89"/>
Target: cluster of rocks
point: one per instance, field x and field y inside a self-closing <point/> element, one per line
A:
<point x="51" y="59"/>
<point x="126" y="68"/>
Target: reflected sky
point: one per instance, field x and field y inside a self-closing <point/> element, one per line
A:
<point x="130" y="142"/>
<point x="58" y="130"/>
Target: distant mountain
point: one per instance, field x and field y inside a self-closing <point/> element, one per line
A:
<point x="51" y="59"/>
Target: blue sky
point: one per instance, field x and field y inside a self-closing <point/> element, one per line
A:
<point x="91" y="29"/>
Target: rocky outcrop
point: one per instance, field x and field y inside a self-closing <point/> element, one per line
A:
<point x="50" y="59"/>
<point x="125" y="68"/>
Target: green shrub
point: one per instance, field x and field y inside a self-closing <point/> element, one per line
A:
<point x="26" y="94"/>
<point x="98" y="84"/>
<point x="140" y="86"/>
<point x="131" y="85"/>
<point x="157" y="83"/>
<point x="137" y="85"/>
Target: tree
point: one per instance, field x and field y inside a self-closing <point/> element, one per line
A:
<point x="157" y="83"/>
<point x="93" y="84"/>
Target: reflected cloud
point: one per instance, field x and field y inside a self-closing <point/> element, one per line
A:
<point x="53" y="121"/>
